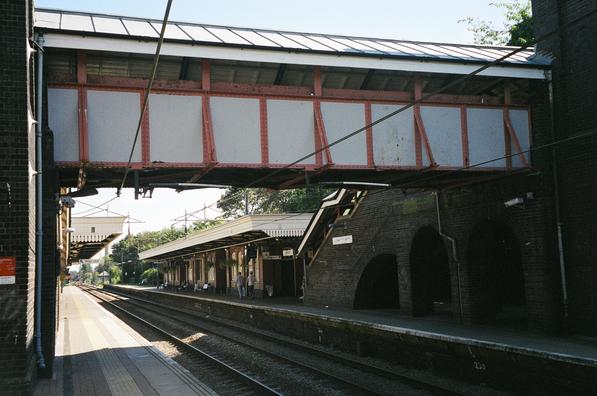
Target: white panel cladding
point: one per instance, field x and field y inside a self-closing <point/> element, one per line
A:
<point x="444" y="132"/>
<point x="291" y="131"/>
<point x="520" y="123"/>
<point x="394" y="138"/>
<point x="340" y="119"/>
<point x="112" y="123"/>
<point x="175" y="127"/>
<point x="486" y="137"/>
<point x="236" y="130"/>
<point x="63" y="118"/>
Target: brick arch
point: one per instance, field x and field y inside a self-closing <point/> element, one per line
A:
<point x="377" y="285"/>
<point x="430" y="280"/>
<point x="495" y="266"/>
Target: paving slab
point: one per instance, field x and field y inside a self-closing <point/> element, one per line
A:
<point x="98" y="354"/>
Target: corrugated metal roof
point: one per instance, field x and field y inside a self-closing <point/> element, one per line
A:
<point x="272" y="225"/>
<point x="114" y="26"/>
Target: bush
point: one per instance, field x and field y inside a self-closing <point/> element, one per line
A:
<point x="149" y="276"/>
<point x="115" y="274"/>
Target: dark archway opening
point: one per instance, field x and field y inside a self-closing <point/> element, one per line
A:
<point x="430" y="273"/>
<point x="378" y="286"/>
<point x="498" y="279"/>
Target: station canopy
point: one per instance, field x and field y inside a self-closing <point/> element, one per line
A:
<point x="247" y="229"/>
<point x="92" y="234"/>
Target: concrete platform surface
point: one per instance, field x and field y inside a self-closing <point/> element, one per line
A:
<point x="97" y="354"/>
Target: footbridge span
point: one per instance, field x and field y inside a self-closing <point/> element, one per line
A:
<point x="232" y="105"/>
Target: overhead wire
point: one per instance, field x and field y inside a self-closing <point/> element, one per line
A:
<point x="147" y="92"/>
<point x="90" y="214"/>
<point x="93" y="207"/>
<point x="100" y="209"/>
<point x="143" y="110"/>
<point x="413" y="103"/>
<point x="592" y="132"/>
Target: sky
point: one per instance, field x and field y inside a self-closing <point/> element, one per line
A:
<point x="423" y="20"/>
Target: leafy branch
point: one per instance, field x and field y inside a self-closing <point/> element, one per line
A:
<point x="517" y="29"/>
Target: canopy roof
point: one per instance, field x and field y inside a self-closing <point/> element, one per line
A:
<point x="246" y="229"/>
<point x="92" y="234"/>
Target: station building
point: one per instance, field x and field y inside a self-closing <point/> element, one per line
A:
<point x="262" y="244"/>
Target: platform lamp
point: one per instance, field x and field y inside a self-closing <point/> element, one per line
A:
<point x="122" y="263"/>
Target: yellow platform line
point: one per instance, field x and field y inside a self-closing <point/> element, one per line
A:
<point x="118" y="378"/>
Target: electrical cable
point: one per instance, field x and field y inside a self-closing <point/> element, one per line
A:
<point x="92" y="206"/>
<point x="418" y="101"/>
<point x="106" y="210"/>
<point x="414" y="103"/>
<point x="147" y="91"/>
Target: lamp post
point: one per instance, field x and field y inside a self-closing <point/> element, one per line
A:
<point x="125" y="269"/>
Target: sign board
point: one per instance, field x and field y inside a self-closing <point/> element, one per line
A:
<point x="273" y="257"/>
<point x="8" y="270"/>
<point x="342" y="240"/>
<point x="288" y="252"/>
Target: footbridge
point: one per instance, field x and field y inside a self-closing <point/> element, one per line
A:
<point x="234" y="105"/>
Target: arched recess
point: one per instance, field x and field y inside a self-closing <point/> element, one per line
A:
<point x="378" y="285"/>
<point x="497" y="277"/>
<point x="430" y="273"/>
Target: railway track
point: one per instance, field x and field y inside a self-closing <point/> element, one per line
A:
<point x="229" y="377"/>
<point x="343" y="374"/>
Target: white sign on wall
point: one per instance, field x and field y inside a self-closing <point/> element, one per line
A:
<point x="287" y="252"/>
<point x="342" y="240"/>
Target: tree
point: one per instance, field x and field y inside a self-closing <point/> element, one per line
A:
<point x="517" y="29"/>
<point x="111" y="267"/>
<point x="125" y="253"/>
<point x="150" y="276"/>
<point x="203" y="225"/>
<point x="115" y="274"/>
<point x="85" y="273"/>
<point x="237" y="201"/>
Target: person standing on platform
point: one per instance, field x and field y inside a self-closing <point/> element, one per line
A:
<point x="250" y="284"/>
<point x="240" y="285"/>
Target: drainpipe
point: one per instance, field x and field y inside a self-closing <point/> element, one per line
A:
<point x="304" y="273"/>
<point x="39" y="202"/>
<point x="454" y="252"/>
<point x="556" y="187"/>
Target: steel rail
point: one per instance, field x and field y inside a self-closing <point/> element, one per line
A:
<point x="252" y="382"/>
<point x="286" y="359"/>
<point x="353" y="363"/>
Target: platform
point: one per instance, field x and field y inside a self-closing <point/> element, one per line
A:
<point x="97" y="354"/>
<point x="483" y="353"/>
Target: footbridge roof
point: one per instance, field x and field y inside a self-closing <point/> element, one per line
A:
<point x="79" y="30"/>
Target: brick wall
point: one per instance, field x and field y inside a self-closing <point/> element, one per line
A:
<point x="387" y="222"/>
<point x="17" y="222"/>
<point x="574" y="50"/>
